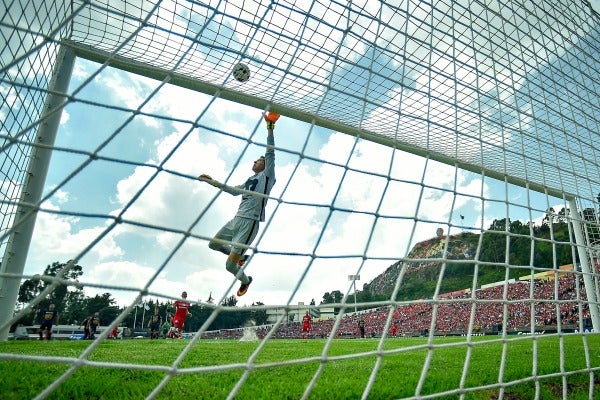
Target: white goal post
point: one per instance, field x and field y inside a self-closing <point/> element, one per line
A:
<point x="398" y="118"/>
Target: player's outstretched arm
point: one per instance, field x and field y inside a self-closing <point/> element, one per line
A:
<point x="210" y="181"/>
<point x="233" y="190"/>
<point x="270" y="118"/>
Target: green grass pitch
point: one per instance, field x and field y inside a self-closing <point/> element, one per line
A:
<point x="283" y="369"/>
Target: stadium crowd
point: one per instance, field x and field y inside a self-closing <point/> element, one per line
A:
<point x="541" y="303"/>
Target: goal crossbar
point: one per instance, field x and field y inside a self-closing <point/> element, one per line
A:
<point x="212" y="89"/>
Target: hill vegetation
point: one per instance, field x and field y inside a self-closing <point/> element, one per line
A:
<point x="487" y="254"/>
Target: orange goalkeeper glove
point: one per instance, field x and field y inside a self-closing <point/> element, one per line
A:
<point x="271" y="118"/>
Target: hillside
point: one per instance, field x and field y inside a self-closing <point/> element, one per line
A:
<point x="423" y="263"/>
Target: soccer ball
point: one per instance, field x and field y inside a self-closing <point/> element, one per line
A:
<point x="241" y="72"/>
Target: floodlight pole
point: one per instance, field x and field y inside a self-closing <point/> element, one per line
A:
<point x="15" y="253"/>
<point x="588" y="280"/>
<point x="354" y="278"/>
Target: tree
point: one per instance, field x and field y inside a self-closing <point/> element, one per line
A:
<point x="74" y="308"/>
<point x="549" y="217"/>
<point x="31" y="288"/>
<point x="200" y="314"/>
<point x="334" y="297"/>
<point x="493" y="244"/>
<point x="230" y="301"/>
<point x="34" y="286"/>
<point x="104" y="305"/>
<point x="259" y="316"/>
<point x="228" y="319"/>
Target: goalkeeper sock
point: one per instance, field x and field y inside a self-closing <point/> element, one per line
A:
<point x="235" y="270"/>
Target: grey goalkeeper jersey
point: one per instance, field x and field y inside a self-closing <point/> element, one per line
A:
<point x="253" y="207"/>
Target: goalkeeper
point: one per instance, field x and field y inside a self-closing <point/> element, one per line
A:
<point x="242" y="229"/>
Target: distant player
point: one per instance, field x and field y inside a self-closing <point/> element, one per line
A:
<point x="94" y="325"/>
<point x="154" y="326"/>
<point x="181" y="313"/>
<point x="361" y="327"/>
<point x="50" y="317"/>
<point x="115" y="332"/>
<point x="166" y="326"/>
<point x="306" y="320"/>
<point x="243" y="227"/>
<point x="169" y="317"/>
<point x="86" y="327"/>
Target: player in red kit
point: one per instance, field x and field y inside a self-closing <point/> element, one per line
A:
<point x="181" y="313"/>
<point x="306" y="325"/>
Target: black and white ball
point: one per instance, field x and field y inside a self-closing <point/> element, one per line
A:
<point x="241" y="72"/>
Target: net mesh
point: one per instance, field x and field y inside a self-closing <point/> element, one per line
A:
<point x="505" y="90"/>
<point x="506" y="87"/>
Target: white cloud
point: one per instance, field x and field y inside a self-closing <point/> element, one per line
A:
<point x="131" y="91"/>
<point x="61" y="196"/>
<point x="129" y="274"/>
<point x="64" y="117"/>
<point x="59" y="238"/>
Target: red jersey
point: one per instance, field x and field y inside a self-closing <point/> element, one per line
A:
<point x="181" y="312"/>
<point x="306" y="320"/>
<point x="181" y="308"/>
<point x="306" y="323"/>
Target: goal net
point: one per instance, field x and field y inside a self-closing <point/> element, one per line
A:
<point x="419" y="142"/>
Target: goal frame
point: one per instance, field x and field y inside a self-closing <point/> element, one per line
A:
<point x="21" y="231"/>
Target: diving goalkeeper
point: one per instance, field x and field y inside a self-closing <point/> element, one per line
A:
<point x="237" y="234"/>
